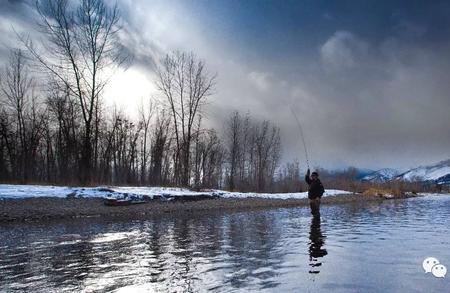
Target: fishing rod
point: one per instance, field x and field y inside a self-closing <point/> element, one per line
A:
<point x="302" y="136"/>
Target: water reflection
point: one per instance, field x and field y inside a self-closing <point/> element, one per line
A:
<point x="317" y="240"/>
<point x="179" y="254"/>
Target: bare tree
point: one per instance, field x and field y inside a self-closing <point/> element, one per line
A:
<point x="64" y="138"/>
<point x="234" y="148"/>
<point x="208" y="158"/>
<point x="7" y="151"/>
<point x="212" y="157"/>
<point x="81" y="43"/>
<point x="160" y="150"/>
<point x="253" y="153"/>
<point x="145" y="117"/>
<point x="186" y="85"/>
<point x="17" y="89"/>
<point x="289" y="178"/>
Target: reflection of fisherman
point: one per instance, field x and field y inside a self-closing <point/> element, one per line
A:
<point x="315" y="192"/>
<point x="315" y="246"/>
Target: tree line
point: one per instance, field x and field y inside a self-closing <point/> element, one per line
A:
<point x="55" y="126"/>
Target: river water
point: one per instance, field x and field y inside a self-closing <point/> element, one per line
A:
<point x="364" y="247"/>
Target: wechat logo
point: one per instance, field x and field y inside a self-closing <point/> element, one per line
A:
<point x="432" y="265"/>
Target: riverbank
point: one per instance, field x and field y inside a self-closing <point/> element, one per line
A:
<point x="47" y="208"/>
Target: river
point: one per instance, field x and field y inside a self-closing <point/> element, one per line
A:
<point x="359" y="247"/>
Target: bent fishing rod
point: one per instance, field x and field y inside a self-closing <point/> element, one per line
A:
<point x="302" y="136"/>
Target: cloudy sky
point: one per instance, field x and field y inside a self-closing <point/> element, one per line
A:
<point x="369" y="80"/>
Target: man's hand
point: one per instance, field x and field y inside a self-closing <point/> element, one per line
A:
<point x="307" y="178"/>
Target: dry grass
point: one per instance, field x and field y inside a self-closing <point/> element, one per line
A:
<point x="383" y="192"/>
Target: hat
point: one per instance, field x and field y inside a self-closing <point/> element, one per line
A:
<point x="314" y="173"/>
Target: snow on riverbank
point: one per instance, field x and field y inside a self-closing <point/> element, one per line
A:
<point x="296" y="195"/>
<point x="9" y="191"/>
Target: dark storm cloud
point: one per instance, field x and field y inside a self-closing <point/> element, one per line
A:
<point x="371" y="104"/>
<point x="390" y="101"/>
<point x="142" y="51"/>
<point x="14" y="7"/>
<point x="14" y="15"/>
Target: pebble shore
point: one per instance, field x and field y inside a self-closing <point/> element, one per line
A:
<point x="36" y="209"/>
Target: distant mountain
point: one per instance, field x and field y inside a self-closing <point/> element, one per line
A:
<point x="439" y="173"/>
<point x="361" y="173"/>
<point x="444" y="180"/>
<point x="382" y="175"/>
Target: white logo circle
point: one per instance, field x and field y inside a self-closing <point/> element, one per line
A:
<point x="428" y="264"/>
<point x="439" y="270"/>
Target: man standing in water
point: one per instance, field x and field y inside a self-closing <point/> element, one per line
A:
<point x="315" y="192"/>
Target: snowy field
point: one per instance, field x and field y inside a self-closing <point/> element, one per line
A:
<point x="9" y="191"/>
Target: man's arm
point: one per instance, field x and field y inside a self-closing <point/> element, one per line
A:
<point x="307" y="178"/>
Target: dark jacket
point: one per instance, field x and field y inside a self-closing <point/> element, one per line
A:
<point x="315" y="189"/>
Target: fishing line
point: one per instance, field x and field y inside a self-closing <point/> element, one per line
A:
<point x="302" y="136"/>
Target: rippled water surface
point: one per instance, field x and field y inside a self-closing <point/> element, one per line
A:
<point x="372" y="247"/>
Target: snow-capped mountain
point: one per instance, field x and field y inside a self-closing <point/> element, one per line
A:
<point x="440" y="173"/>
<point x="382" y="175"/>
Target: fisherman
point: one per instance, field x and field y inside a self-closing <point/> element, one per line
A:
<point x="315" y="192"/>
